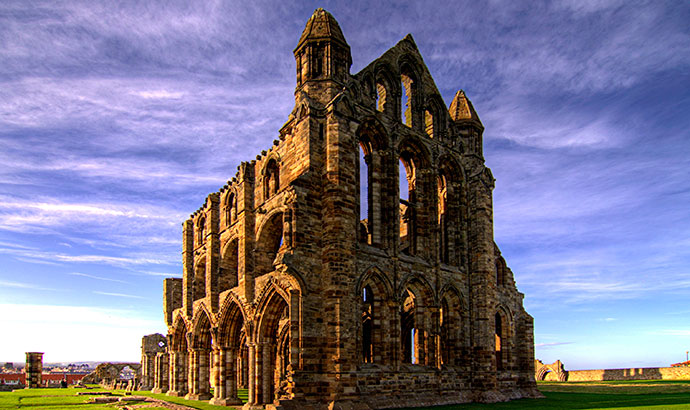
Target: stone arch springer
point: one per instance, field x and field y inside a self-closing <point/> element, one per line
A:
<point x="415" y="281"/>
<point x="557" y="367"/>
<point x="375" y="275"/>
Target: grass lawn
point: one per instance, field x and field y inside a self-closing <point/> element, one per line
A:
<point x="619" y="395"/>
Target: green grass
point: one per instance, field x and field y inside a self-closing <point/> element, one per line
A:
<point x="619" y="395"/>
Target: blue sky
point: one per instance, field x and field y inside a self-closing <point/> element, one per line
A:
<point x="116" y="121"/>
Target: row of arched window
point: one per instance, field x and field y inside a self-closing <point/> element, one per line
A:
<point x="429" y="335"/>
<point x="424" y="113"/>
<point x="428" y="201"/>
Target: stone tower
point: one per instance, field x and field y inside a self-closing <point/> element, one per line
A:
<point x="353" y="262"/>
<point x="34" y="369"/>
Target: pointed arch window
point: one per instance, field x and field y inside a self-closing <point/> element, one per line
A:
<point x="200" y="228"/>
<point x="271" y="179"/>
<point x="230" y="209"/>
<point x="407" y="97"/>
<point x="443" y="217"/>
<point x="367" y="323"/>
<point x="408" y="204"/>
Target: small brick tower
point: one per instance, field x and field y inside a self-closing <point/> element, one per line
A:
<point x="34" y="369"/>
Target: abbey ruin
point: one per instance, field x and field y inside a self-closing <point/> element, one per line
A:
<point x="318" y="278"/>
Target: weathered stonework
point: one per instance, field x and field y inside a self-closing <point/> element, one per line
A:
<point x="556" y="372"/>
<point x="151" y="345"/>
<point x="34" y="369"/>
<point x="289" y="291"/>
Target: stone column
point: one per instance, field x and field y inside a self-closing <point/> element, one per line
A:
<point x="160" y="382"/>
<point x="267" y="373"/>
<point x="251" y="399"/>
<point x="258" y="373"/>
<point x="430" y="333"/>
<point x="193" y="375"/>
<point x="204" y="375"/>
<point x="226" y="388"/>
<point x="178" y="374"/>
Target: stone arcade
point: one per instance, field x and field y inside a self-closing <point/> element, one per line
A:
<point x="313" y="296"/>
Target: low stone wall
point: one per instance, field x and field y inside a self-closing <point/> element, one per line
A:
<point x="643" y="373"/>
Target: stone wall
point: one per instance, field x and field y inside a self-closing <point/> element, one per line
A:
<point x="292" y="289"/>
<point x="643" y="373"/>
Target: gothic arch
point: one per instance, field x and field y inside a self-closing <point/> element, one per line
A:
<point x="269" y="240"/>
<point x="504" y="332"/>
<point x="451" y="325"/>
<point x="434" y="116"/>
<point x="375" y="275"/>
<point x="421" y="288"/>
<point x="230" y="208"/>
<point x="387" y="90"/>
<point x="178" y="339"/>
<point x="231" y="322"/>
<point x="201" y="328"/>
<point x="270" y="175"/>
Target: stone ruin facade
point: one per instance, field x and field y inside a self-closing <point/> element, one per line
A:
<point x="550" y="372"/>
<point x="151" y="345"/>
<point x="352" y="264"/>
<point x="109" y="375"/>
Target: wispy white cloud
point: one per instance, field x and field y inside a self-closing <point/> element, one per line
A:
<point x="86" y="275"/>
<point x="22" y="285"/>
<point x="547" y="345"/>
<point x="118" y="261"/>
<point x="119" y="295"/>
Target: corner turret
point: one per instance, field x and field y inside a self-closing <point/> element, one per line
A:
<point x="323" y="57"/>
<point x="465" y="117"/>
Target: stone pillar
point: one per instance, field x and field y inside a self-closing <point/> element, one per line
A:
<point x="295" y="333"/>
<point x="193" y="375"/>
<point x="251" y="398"/>
<point x="160" y="383"/>
<point x="258" y="374"/>
<point x="198" y="375"/>
<point x="178" y="374"/>
<point x="34" y="369"/>
<point x="225" y="392"/>
<point x="267" y="373"/>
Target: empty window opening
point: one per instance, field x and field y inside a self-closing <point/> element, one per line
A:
<point x="200" y="227"/>
<point x="269" y="243"/>
<point x="444" y="324"/>
<point x="409" y="334"/>
<point x="364" y="197"/>
<point x="367" y="315"/>
<point x="429" y="123"/>
<point x="407" y="205"/>
<point x="229" y="268"/>
<point x="500" y="271"/>
<point x="406" y="101"/>
<point x="442" y="217"/>
<point x="380" y="97"/>
<point x="499" y="342"/>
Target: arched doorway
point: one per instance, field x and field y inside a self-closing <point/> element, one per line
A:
<point x="227" y="351"/>
<point x="200" y="359"/>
